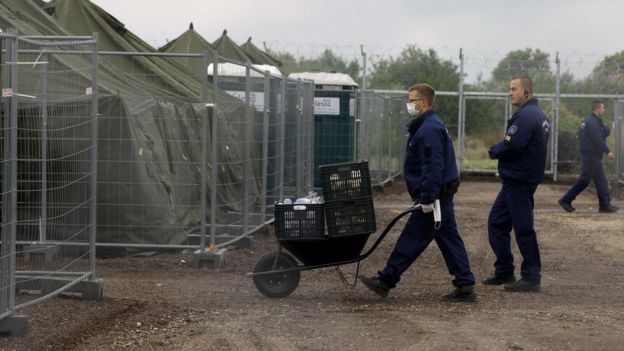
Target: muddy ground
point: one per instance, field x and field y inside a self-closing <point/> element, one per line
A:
<point x="162" y="303"/>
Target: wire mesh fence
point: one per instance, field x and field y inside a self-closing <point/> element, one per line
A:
<point x="478" y="118"/>
<point x="186" y="170"/>
<point x="49" y="107"/>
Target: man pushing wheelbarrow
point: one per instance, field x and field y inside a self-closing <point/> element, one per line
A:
<point x="430" y="172"/>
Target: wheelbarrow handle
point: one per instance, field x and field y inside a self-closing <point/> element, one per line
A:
<point x="385" y="232"/>
<point x="437" y="214"/>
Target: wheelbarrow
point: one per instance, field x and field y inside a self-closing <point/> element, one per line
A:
<point x="277" y="274"/>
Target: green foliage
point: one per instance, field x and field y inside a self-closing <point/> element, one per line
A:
<point x="327" y="61"/>
<point x="608" y="76"/>
<point x="413" y="66"/>
<point x="416" y="65"/>
<point x="527" y="62"/>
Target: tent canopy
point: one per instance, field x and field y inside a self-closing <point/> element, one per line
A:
<point x="258" y="56"/>
<point x="190" y="42"/>
<point x="228" y="49"/>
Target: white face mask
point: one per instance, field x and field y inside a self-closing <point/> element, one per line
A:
<point x="411" y="109"/>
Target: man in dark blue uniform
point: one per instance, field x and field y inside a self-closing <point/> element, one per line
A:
<point x="521" y="161"/>
<point x="430" y="172"/>
<point x="592" y="136"/>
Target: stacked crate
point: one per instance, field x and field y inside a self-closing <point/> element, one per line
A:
<point x="348" y="199"/>
<point x="299" y="222"/>
<point x="348" y="208"/>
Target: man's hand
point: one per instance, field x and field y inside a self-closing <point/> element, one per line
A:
<point x="610" y="156"/>
<point x="426" y="208"/>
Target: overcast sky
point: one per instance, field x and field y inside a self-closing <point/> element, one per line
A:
<point x="582" y="31"/>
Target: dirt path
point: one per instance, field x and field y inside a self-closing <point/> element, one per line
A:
<point x="161" y="303"/>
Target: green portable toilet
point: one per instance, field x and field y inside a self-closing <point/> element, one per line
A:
<point x="334" y="118"/>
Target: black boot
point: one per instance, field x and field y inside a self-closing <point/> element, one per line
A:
<point x="375" y="284"/>
<point x="609" y="209"/>
<point x="498" y="280"/>
<point x="461" y="294"/>
<point x="523" y="285"/>
<point x="567" y="206"/>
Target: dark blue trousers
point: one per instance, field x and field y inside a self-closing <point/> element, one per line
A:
<point x="513" y="208"/>
<point x="418" y="234"/>
<point x="592" y="170"/>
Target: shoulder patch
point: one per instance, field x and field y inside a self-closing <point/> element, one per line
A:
<point x="512" y="130"/>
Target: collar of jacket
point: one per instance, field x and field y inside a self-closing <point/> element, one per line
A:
<point x="531" y="101"/>
<point x="417" y="122"/>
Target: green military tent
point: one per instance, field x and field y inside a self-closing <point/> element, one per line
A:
<point x="228" y="49"/>
<point x="190" y="42"/>
<point x="151" y="112"/>
<point x="258" y="56"/>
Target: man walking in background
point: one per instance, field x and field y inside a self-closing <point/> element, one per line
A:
<point x="592" y="136"/>
<point x="430" y="172"/>
<point x="521" y="159"/>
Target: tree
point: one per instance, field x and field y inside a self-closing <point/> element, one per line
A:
<point x="414" y="65"/>
<point x="527" y="62"/>
<point x="608" y="75"/>
<point x="327" y="61"/>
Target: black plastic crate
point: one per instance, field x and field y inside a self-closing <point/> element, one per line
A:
<point x="293" y="222"/>
<point x="342" y="181"/>
<point x="350" y="217"/>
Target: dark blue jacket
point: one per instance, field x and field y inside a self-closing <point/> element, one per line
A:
<point x="522" y="153"/>
<point x="429" y="158"/>
<point x="593" y="135"/>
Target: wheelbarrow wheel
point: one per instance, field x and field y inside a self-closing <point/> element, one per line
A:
<point x="278" y="284"/>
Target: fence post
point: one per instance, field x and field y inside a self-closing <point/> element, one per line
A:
<point x="249" y="122"/>
<point x="617" y="121"/>
<point x="282" y="144"/>
<point x="215" y="154"/>
<point x="265" y="144"/>
<point x="204" y="157"/>
<point x="298" y="137"/>
<point x="555" y="131"/>
<point x="461" y="114"/>
<point x="44" y="150"/>
<point x="9" y="191"/>
<point x="388" y="123"/>
<point x="362" y="99"/>
<point x="12" y="174"/>
<point x="94" y="154"/>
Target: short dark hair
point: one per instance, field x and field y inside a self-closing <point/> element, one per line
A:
<point x="426" y="91"/>
<point x="527" y="83"/>
<point x="596" y="104"/>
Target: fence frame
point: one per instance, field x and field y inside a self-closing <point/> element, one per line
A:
<point x="50" y="283"/>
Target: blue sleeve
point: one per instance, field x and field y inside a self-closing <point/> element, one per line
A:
<point x="516" y="139"/>
<point x="594" y="134"/>
<point x="433" y="166"/>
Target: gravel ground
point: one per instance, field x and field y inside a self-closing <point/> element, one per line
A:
<point x="162" y="303"/>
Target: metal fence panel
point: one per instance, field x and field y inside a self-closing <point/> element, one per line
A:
<point x="49" y="167"/>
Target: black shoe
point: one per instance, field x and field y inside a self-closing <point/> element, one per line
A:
<point x="461" y="294"/>
<point x="375" y="284"/>
<point x="498" y="280"/>
<point x="610" y="209"/>
<point x="567" y="206"/>
<point x="523" y="286"/>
